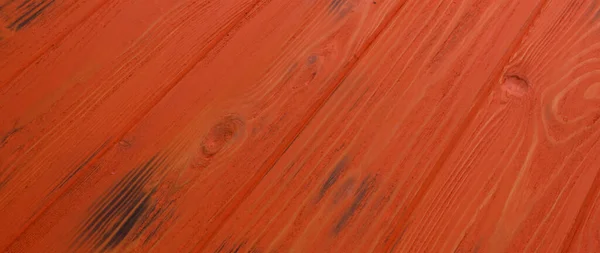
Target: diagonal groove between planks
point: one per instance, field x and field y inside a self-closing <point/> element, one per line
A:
<point x="322" y="92"/>
<point x="582" y="215"/>
<point x="585" y="209"/>
<point x="270" y="207"/>
<point x="56" y="41"/>
<point x="293" y="135"/>
<point x="299" y="125"/>
<point x="251" y="10"/>
<point x="401" y="220"/>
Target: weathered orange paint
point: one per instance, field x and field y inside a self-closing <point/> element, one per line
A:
<point x="305" y="126"/>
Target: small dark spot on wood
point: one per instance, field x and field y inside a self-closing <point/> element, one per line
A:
<point x="374" y="2"/>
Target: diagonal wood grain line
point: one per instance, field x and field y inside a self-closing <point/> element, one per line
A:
<point x="58" y="40"/>
<point x="400" y="221"/>
<point x="233" y="26"/>
<point x="289" y="139"/>
<point x="583" y="213"/>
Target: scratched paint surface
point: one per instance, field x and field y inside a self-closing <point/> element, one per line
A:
<point x="305" y="126"/>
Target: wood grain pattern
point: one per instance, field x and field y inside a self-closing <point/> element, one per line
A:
<point x="296" y="125"/>
<point x="214" y="135"/>
<point x="29" y="28"/>
<point x="361" y="166"/>
<point x="93" y="89"/>
<point x="518" y="178"/>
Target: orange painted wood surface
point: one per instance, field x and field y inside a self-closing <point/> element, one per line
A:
<point x="520" y="171"/>
<point x="87" y="102"/>
<point x="304" y="126"/>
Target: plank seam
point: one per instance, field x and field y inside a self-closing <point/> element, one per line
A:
<point x="582" y="214"/>
<point x="220" y="36"/>
<point x="396" y="230"/>
<point x="292" y="136"/>
<point x="57" y="41"/>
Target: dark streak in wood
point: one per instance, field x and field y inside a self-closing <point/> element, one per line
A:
<point x="126" y="206"/>
<point x="221" y="246"/>
<point x="26" y="2"/>
<point x="81" y="166"/>
<point x="236" y="247"/>
<point x="398" y="240"/>
<point x="32" y="11"/>
<point x="333" y="177"/>
<point x="6" y="176"/>
<point x="335" y="4"/>
<point x="7" y="136"/>
<point x="158" y="226"/>
<point x="231" y="248"/>
<point x="128" y="225"/>
<point x="363" y="191"/>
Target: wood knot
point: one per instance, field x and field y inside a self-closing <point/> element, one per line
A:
<point x="124" y="143"/>
<point x="515" y="85"/>
<point x="221" y="134"/>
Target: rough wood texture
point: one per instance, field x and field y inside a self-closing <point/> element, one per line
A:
<point x="353" y="177"/>
<point x="87" y="107"/>
<point x="305" y="126"/>
<point x="30" y="28"/>
<point x="517" y="179"/>
<point x="192" y="129"/>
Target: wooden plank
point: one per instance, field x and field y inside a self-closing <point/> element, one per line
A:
<point x="583" y="234"/>
<point x="207" y="144"/>
<point x="517" y="178"/>
<point x="61" y="77"/>
<point x="581" y="93"/>
<point x="29" y="28"/>
<point x="94" y="88"/>
<point x="364" y="162"/>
